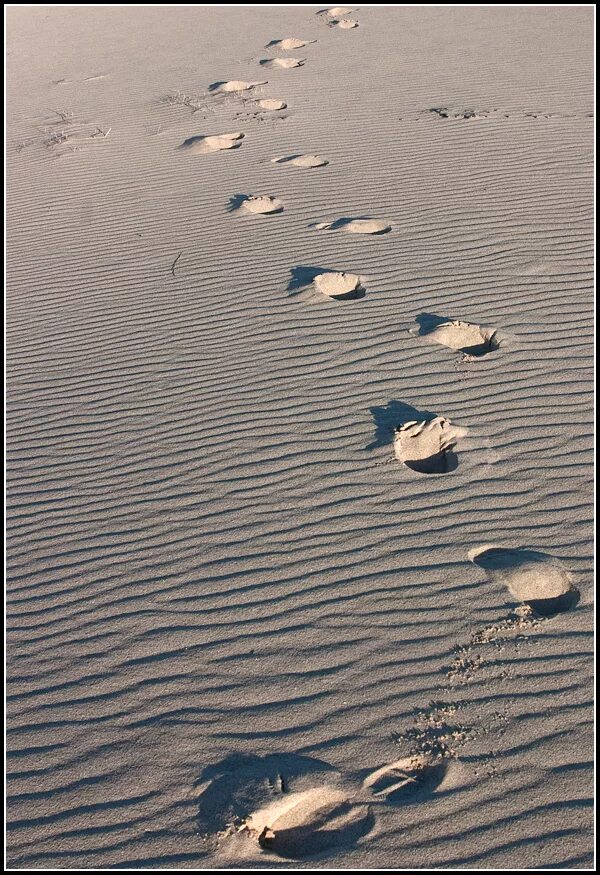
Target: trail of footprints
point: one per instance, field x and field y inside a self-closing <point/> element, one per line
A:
<point x="297" y="806"/>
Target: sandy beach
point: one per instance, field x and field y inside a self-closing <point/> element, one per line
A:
<point x="299" y="435"/>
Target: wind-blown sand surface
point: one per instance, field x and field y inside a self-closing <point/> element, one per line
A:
<point x="230" y="580"/>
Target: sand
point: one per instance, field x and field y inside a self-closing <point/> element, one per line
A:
<point x="242" y="632"/>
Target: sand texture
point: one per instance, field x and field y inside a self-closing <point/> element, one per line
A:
<point x="299" y="568"/>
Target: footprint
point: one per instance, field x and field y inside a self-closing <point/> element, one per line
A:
<point x="292" y="806"/>
<point x="341" y="286"/>
<point x="302" y="161"/>
<point x="336" y="12"/>
<point x="407" y="779"/>
<point x="355" y="226"/>
<point x="286" y="63"/>
<point x="289" y="44"/>
<point x="537" y="579"/>
<point x="235" y="86"/>
<point x="262" y="204"/>
<point x="272" y="105"/>
<point x="202" y="145"/>
<point x="471" y="339"/>
<point x="346" y="23"/>
<point x="428" y="446"/>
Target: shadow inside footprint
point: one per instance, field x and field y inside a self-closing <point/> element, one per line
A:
<point x="537" y="579"/>
<point x="559" y="605"/>
<point x="443" y="462"/>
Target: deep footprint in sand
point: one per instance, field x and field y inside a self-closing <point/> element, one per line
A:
<point x="289" y="44"/>
<point x="306" y="161"/>
<point x="346" y="23"/>
<point x="536" y="579"/>
<point x="288" y="805"/>
<point x="284" y="63"/>
<point x="340" y="286"/>
<point x="428" y="446"/>
<point x="355" y="226"/>
<point x="272" y="105"/>
<point x="466" y="337"/>
<point x="235" y="86"/>
<point x="262" y="204"/>
<point x="203" y="145"/>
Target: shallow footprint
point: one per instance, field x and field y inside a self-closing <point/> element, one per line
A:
<point x="289" y="44"/>
<point x="428" y="446"/>
<point x="341" y="286"/>
<point x="302" y="161"/>
<point x="202" y="145"/>
<point x="336" y="11"/>
<point x="286" y="63"/>
<point x="262" y="204"/>
<point x="272" y="105"/>
<point x="534" y="578"/>
<point x="408" y="778"/>
<point x="355" y="226"/>
<point x="466" y="337"/>
<point x="346" y="23"/>
<point x="235" y="86"/>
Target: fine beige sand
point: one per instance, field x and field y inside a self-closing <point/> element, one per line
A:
<point x="299" y="505"/>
